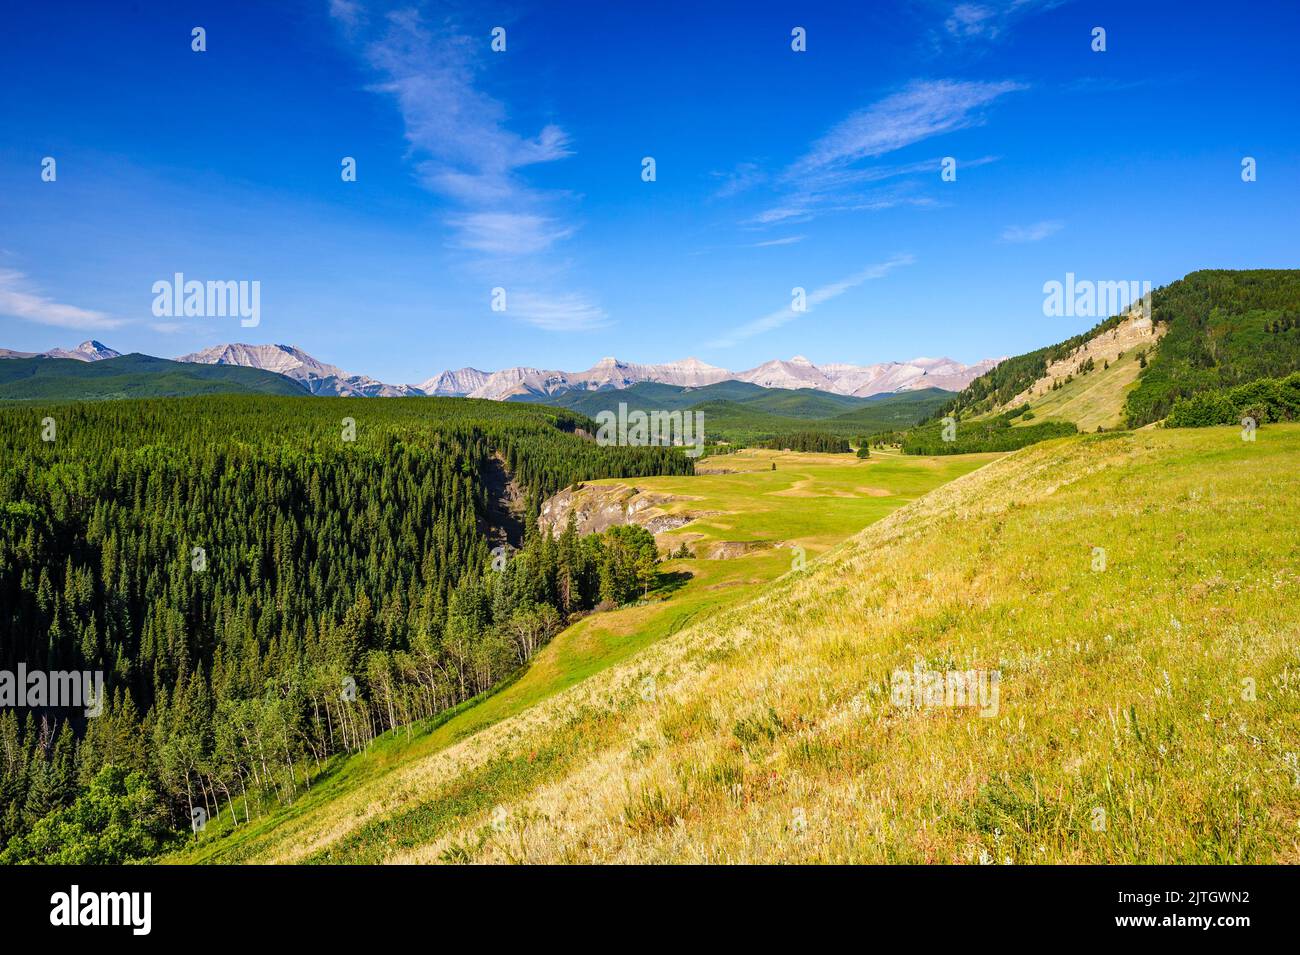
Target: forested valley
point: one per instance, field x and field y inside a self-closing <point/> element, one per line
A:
<point x="265" y="583"/>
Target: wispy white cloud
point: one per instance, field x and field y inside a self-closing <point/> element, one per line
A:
<point x="817" y="297"/>
<point x="987" y="20"/>
<point x="347" y="12"/>
<point x="570" y="312"/>
<point x="744" y="177"/>
<point x="19" y="300"/>
<point x="972" y="19"/>
<point x="839" y="171"/>
<point x="508" y="233"/>
<point x="839" y="190"/>
<point x="920" y="111"/>
<point x="464" y="150"/>
<point x="798" y="210"/>
<point x="806" y="206"/>
<point x="1035" y="232"/>
<point x="458" y="136"/>
<point x="788" y="240"/>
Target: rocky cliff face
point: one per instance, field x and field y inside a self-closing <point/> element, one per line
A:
<point x="455" y="384"/>
<point x="315" y="376"/>
<point x="598" y="507"/>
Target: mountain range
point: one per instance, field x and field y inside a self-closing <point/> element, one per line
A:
<point x="86" y="351"/>
<point x="522" y="383"/>
<point x="316" y="376"/>
<point x="860" y="381"/>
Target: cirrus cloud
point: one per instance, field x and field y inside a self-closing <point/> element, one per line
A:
<point x="921" y="110"/>
<point x="1035" y="232"/>
<point x="835" y="172"/>
<point x="567" y="312"/>
<point x="817" y="297"/>
<point x="19" y="300"/>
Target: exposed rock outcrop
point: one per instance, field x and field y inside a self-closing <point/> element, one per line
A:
<point x="598" y="507"/>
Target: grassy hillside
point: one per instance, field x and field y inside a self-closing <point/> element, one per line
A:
<point x="1091" y="400"/>
<point x="998" y="386"/>
<point x="810" y="501"/>
<point x="132" y="376"/>
<point x="1148" y="711"/>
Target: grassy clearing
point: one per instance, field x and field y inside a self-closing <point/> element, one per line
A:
<point x="364" y="806"/>
<point x="813" y="500"/>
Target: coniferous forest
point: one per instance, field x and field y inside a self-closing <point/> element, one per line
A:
<point x="264" y="583"/>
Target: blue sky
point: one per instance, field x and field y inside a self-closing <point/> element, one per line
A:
<point x="522" y="170"/>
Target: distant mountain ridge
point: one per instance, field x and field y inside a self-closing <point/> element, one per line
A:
<point x="859" y="381"/>
<point x="89" y="350"/>
<point x="316" y="376"/>
<point x="529" y="383"/>
<point x="460" y="382"/>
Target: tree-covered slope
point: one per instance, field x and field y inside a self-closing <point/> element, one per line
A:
<point x="266" y="581"/>
<point x="1262" y="401"/>
<point x="888" y="412"/>
<point x="1224" y="328"/>
<point x="1218" y="328"/>
<point x="132" y="376"/>
<point x="744" y="413"/>
<point x="647" y="396"/>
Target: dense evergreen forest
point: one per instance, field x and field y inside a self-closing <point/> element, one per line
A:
<point x="265" y="582"/>
<point x="808" y="441"/>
